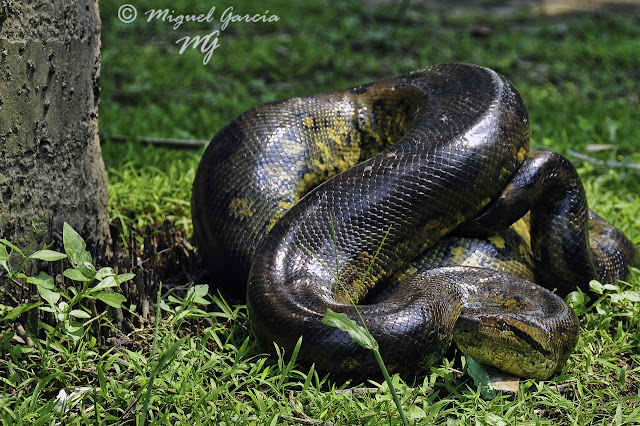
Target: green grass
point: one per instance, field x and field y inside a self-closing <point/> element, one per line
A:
<point x="148" y="185"/>
<point x="578" y="75"/>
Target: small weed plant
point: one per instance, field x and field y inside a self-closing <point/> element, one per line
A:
<point x="66" y="308"/>
<point x="68" y="340"/>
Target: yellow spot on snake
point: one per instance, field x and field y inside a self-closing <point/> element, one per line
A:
<point x="285" y="204"/>
<point x="336" y="135"/>
<point x="522" y="229"/>
<point x="318" y="165"/>
<point x="497" y="241"/>
<point x="473" y="262"/>
<point x="308" y="122"/>
<point x="431" y="232"/>
<point x="457" y="254"/>
<point x="504" y="173"/>
<point x="484" y="202"/>
<point x="521" y="154"/>
<point x="272" y="223"/>
<point x="241" y="207"/>
<point x="402" y="247"/>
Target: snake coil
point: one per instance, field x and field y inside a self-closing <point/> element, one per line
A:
<point x="319" y="200"/>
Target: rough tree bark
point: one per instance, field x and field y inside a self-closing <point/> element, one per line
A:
<point x="50" y="158"/>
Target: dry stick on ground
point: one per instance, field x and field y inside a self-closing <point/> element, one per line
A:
<point x="612" y="164"/>
<point x="86" y="324"/>
<point x="359" y="391"/>
<point x="306" y="419"/>
<point x="185" y="143"/>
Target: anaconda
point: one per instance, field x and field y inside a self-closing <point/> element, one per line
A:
<point x="377" y="194"/>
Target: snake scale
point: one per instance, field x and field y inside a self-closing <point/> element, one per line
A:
<point x="417" y="198"/>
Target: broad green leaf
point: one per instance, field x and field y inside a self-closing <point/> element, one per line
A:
<point x="596" y="286"/>
<point x="125" y="277"/>
<point x="197" y="293"/>
<point x="75" y="247"/>
<point x="494" y="419"/>
<point x="578" y="301"/>
<point x="88" y="270"/>
<point x="629" y="296"/>
<point x="78" y="313"/>
<point x="46" y="287"/>
<point x="50" y="296"/>
<point x="344" y="323"/>
<point x="74" y="329"/>
<point x="201" y="290"/>
<point x="75" y="275"/>
<point x="48" y="255"/>
<point x="481" y="377"/>
<point x="104" y="273"/>
<point x="11" y="246"/>
<point x="107" y="282"/>
<point x="4" y="255"/>
<point x="20" y="309"/>
<point x="111" y="298"/>
<point x="414" y="413"/>
<point x="42" y="280"/>
<point x="165" y="307"/>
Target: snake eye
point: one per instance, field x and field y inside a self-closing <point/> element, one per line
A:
<point x="504" y="342"/>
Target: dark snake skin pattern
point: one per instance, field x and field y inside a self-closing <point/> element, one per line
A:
<point x="319" y="200"/>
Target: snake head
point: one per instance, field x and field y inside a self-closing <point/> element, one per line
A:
<point x="528" y="345"/>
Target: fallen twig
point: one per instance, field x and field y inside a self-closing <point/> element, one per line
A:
<point x="86" y="324"/>
<point x="305" y="419"/>
<point x="358" y="391"/>
<point x="184" y="143"/>
<point x="610" y="163"/>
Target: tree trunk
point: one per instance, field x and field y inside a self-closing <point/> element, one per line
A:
<point x="50" y="158"/>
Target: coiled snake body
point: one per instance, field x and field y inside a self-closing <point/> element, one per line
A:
<point x="330" y="197"/>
